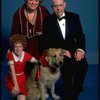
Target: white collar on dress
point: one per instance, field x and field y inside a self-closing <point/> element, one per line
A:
<point x="21" y="57"/>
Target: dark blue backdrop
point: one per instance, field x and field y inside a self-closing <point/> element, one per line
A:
<point x="87" y="9"/>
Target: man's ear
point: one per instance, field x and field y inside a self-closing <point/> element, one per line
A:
<point x="65" y="4"/>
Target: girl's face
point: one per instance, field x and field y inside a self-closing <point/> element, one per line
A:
<point x="18" y="48"/>
<point x="32" y="4"/>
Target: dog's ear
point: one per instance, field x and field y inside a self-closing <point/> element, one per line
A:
<point x="62" y="50"/>
<point x="49" y="51"/>
<point x="47" y="58"/>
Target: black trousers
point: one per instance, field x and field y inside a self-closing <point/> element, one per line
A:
<point x="73" y="74"/>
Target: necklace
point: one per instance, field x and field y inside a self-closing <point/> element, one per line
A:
<point x="34" y="16"/>
<point x="33" y="22"/>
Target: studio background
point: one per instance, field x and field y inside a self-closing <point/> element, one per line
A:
<point x="87" y="10"/>
<point x="89" y="16"/>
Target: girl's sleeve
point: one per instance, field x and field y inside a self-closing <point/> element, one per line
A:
<point x="10" y="58"/>
<point x="30" y="58"/>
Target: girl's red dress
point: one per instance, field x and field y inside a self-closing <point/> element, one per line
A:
<point x="19" y="68"/>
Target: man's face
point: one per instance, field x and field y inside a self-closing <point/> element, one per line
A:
<point x="58" y="7"/>
<point x="32" y="4"/>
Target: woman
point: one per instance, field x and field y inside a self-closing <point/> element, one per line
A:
<point x="28" y="20"/>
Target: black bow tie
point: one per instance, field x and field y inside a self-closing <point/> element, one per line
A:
<point x="60" y="18"/>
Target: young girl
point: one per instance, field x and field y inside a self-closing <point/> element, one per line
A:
<point x="17" y="59"/>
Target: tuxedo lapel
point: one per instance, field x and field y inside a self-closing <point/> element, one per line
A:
<point x="59" y="30"/>
<point x="57" y="27"/>
<point x="67" y="27"/>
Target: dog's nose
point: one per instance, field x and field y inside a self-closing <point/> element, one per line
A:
<point x="61" y="63"/>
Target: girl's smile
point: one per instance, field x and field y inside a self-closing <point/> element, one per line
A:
<point x="18" y="48"/>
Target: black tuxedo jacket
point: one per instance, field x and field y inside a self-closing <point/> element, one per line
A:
<point x="52" y="36"/>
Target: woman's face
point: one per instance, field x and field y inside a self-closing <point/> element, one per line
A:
<point x="18" y="48"/>
<point x="32" y="4"/>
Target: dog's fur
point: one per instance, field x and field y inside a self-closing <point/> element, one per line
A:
<point x="49" y="75"/>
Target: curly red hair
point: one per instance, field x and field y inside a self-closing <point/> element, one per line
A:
<point x="17" y="38"/>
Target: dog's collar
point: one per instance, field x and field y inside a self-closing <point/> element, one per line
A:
<point x="43" y="62"/>
<point x="42" y="59"/>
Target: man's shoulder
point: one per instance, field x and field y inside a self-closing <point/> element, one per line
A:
<point x="49" y="18"/>
<point x="71" y="13"/>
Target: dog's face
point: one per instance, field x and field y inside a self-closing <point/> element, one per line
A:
<point x="54" y="57"/>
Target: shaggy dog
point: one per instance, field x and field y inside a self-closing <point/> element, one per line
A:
<point x="50" y="63"/>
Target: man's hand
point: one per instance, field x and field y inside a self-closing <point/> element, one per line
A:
<point x="79" y="55"/>
<point x="67" y="53"/>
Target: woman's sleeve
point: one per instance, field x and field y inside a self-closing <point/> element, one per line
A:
<point x="15" y="24"/>
<point x="45" y="12"/>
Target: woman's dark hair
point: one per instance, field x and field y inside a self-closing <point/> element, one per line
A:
<point x="40" y="1"/>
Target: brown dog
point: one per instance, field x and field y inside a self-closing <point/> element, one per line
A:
<point x="49" y="73"/>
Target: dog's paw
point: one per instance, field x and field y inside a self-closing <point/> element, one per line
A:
<point x="56" y="97"/>
<point x="46" y="96"/>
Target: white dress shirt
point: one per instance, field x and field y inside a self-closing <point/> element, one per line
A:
<point x="62" y="26"/>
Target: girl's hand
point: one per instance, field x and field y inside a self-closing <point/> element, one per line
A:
<point x="36" y="61"/>
<point x="15" y="90"/>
